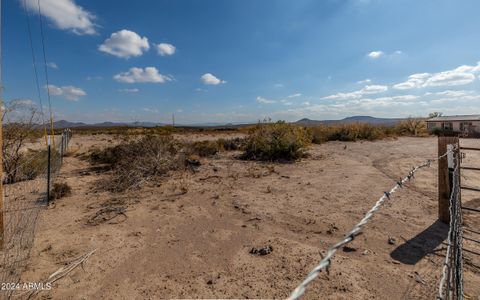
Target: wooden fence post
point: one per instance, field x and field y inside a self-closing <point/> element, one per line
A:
<point x="445" y="177"/>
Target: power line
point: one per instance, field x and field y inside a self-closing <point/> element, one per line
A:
<point x="37" y="83"/>
<point x="42" y="35"/>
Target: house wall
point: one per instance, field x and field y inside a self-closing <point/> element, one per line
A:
<point x="456" y="125"/>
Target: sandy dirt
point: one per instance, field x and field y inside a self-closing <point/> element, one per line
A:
<point x="189" y="235"/>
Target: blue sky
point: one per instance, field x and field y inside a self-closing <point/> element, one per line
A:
<point x="244" y="60"/>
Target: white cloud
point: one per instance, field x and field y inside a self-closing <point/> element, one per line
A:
<point x="364" y="81"/>
<point x="149" y="74"/>
<point x="306" y="103"/>
<point x="459" y="76"/>
<point x="210" y="79"/>
<point x="278" y="85"/>
<point x="295" y="95"/>
<point x="129" y="90"/>
<point x="69" y="92"/>
<point x="368" y="89"/>
<point x="375" y="54"/>
<point x="52" y="65"/>
<point x="66" y="15"/>
<point x="125" y="44"/>
<point x="164" y="49"/>
<point x="414" y="81"/>
<point x="264" y="100"/>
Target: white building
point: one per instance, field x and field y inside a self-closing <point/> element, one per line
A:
<point x="466" y="124"/>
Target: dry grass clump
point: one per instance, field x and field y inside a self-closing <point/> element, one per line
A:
<point x="204" y="148"/>
<point x="232" y="144"/>
<point x="139" y="161"/>
<point x="276" y="141"/>
<point x="60" y="190"/>
<point x="349" y="132"/>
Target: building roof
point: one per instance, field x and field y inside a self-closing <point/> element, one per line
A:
<point x="455" y="118"/>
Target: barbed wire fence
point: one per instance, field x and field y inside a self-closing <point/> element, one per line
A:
<point x="24" y="197"/>
<point x="451" y="282"/>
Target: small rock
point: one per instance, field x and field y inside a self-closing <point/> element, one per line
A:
<point x="348" y="249"/>
<point x="210" y="282"/>
<point x="261" y="251"/>
<point x="391" y="240"/>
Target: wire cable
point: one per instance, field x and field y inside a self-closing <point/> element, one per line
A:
<point x="42" y="35"/>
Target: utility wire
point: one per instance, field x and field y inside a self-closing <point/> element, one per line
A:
<point x="42" y="35"/>
<point x="29" y="29"/>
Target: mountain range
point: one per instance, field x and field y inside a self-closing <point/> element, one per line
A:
<point x="305" y="122"/>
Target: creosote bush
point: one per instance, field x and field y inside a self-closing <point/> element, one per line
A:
<point x="349" y="132"/>
<point x="276" y="141"/>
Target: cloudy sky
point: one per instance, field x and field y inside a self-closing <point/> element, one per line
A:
<point x="243" y="60"/>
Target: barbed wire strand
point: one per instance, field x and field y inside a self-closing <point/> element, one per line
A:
<point x="350" y="236"/>
<point x="453" y="220"/>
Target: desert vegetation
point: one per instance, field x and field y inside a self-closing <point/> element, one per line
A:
<point x="276" y="141"/>
<point x="60" y="190"/>
<point x="139" y="161"/>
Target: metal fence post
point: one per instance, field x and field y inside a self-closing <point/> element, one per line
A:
<point x="48" y="171"/>
<point x="61" y="148"/>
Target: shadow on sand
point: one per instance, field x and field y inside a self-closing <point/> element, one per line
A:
<point x="423" y="243"/>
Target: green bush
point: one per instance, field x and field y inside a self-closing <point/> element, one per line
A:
<point x="276" y="141"/>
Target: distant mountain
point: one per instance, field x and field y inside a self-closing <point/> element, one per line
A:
<point x="305" y="122"/>
<point x="349" y="120"/>
<point x="66" y="124"/>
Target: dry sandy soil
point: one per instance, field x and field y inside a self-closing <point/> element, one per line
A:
<point x="189" y="235"/>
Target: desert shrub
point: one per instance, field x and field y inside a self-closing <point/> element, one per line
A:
<point x="60" y="190"/>
<point x="204" y="148"/>
<point x="231" y="144"/>
<point x="139" y="161"/>
<point x="412" y="127"/>
<point x="276" y="141"/>
<point x="31" y="164"/>
<point x="349" y="132"/>
<point x="109" y="156"/>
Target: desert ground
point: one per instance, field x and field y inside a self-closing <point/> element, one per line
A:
<point x="190" y="234"/>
